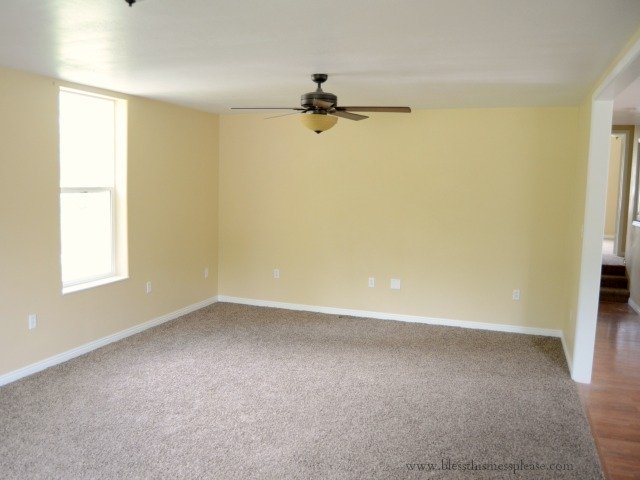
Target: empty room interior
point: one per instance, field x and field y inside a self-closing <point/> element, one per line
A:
<point x="319" y="240"/>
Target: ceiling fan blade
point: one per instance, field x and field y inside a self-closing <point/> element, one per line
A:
<point x="350" y="116"/>
<point x="376" y="109"/>
<point x="266" y="108"/>
<point x="322" y="104"/>
<point x="282" y="115"/>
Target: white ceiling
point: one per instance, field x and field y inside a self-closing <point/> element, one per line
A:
<point x="211" y="54"/>
<point x="626" y="105"/>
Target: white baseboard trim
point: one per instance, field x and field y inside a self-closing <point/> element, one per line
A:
<point x="634" y="305"/>
<point x="566" y="353"/>
<point x="101" y="342"/>
<point x="498" y="327"/>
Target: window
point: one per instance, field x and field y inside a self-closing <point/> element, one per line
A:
<point x="92" y="189"/>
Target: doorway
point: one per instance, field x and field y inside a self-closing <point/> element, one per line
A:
<point x="621" y="76"/>
<point x="612" y="244"/>
<point x="618" y="190"/>
<point x="614" y="281"/>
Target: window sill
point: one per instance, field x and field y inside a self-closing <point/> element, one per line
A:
<point x="94" y="283"/>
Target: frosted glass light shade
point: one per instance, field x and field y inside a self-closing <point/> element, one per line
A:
<point x="318" y="122"/>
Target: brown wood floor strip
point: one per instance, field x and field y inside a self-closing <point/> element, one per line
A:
<point x="612" y="400"/>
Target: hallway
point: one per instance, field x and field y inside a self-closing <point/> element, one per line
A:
<point x="612" y="400"/>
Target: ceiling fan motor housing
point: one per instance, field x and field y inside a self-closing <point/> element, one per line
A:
<point x="306" y="100"/>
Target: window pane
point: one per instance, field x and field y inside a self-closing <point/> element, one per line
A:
<point x="86" y="231"/>
<point x="87" y="146"/>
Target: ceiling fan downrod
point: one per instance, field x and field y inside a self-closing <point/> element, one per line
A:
<point x="319" y="78"/>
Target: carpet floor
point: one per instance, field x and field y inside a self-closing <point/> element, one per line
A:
<point x="235" y="392"/>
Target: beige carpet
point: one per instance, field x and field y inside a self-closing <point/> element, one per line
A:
<point x="244" y="392"/>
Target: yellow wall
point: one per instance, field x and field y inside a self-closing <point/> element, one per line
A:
<point x="613" y="186"/>
<point x="172" y="184"/>
<point x="462" y="205"/>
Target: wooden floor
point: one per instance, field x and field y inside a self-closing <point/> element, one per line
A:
<point x="612" y="400"/>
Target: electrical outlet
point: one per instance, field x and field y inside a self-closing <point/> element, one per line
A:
<point x="394" y="284"/>
<point x="276" y="273"/>
<point x="206" y="272"/>
<point x="372" y="282"/>
<point x="516" y="294"/>
<point x="33" y="321"/>
<point x="148" y="287"/>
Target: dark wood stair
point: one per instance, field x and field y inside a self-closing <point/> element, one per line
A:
<point x="614" y="284"/>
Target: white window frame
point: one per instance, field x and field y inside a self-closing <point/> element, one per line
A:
<point x="118" y="202"/>
<point x="112" y="271"/>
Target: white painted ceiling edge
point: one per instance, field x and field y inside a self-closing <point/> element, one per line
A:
<point x="423" y="53"/>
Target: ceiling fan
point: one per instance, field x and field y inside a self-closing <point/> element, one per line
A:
<point x="320" y="110"/>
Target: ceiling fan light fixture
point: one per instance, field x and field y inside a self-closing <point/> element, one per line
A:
<point x="320" y="110"/>
<point x="318" y="121"/>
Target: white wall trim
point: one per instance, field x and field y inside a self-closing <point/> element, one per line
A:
<point x="593" y="230"/>
<point x="634" y="305"/>
<point x="101" y="342"/>
<point x="567" y="356"/>
<point x="88" y="347"/>
<point x="498" y="327"/>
